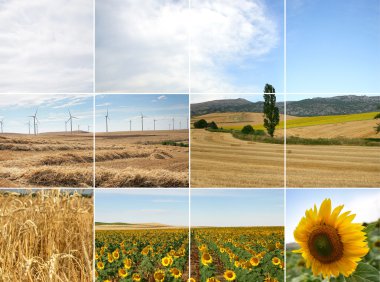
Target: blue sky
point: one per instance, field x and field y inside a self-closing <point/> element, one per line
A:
<point x="52" y="111"/>
<point x="166" y="206"/>
<point x="237" y="207"/>
<point x="143" y="46"/>
<point x="211" y="207"/>
<point x="333" y="46"/>
<point x="125" y="107"/>
<point x="362" y="202"/>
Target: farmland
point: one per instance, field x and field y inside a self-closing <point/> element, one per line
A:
<point x="46" y="160"/>
<point x="220" y="160"/>
<point x="329" y="166"/>
<point x="333" y="165"/>
<point x="238" y="254"/>
<point x="142" y="159"/>
<point x="348" y="126"/>
<point x="46" y="236"/>
<point x="150" y="255"/>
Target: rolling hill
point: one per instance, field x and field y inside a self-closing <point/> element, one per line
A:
<point x="339" y="105"/>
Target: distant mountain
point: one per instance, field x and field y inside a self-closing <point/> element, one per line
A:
<point x="339" y="105"/>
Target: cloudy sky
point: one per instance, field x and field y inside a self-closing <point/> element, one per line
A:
<point x="125" y="107"/>
<point x="15" y="110"/>
<point x="362" y="202"/>
<point x="333" y="46"/>
<point x="143" y="46"/>
<point x="46" y="46"/>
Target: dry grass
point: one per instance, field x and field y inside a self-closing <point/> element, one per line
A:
<point x="46" y="160"/>
<point x="46" y="236"/>
<point x="220" y="160"/>
<point x="133" y="159"/>
<point x="333" y="166"/>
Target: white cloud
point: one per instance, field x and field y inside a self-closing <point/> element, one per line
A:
<point x="162" y="97"/>
<point x="48" y="100"/>
<point x="142" y="46"/>
<point x="46" y="46"/>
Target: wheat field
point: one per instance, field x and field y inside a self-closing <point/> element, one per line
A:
<point x="139" y="159"/>
<point x="220" y="160"/>
<point x="332" y="166"/>
<point x="46" y="160"/>
<point x="46" y="236"/>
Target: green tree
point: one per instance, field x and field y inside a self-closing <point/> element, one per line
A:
<point x="377" y="128"/>
<point x="248" y="129"/>
<point x="202" y="123"/>
<point x="271" y="112"/>
<point x="212" y="125"/>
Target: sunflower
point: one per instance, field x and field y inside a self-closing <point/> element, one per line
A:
<point x="212" y="279"/>
<point x="100" y="265"/>
<point x="191" y="279"/>
<point x="276" y="261"/>
<point x="159" y="276"/>
<point x="166" y="261"/>
<point x="110" y="258"/>
<point x="136" y="277"/>
<point x="123" y="273"/>
<point x="127" y="263"/>
<point x="229" y="275"/>
<point x="176" y="273"/>
<point x="330" y="243"/>
<point x="116" y="254"/>
<point x="206" y="259"/>
<point x="254" y="261"/>
<point x="268" y="278"/>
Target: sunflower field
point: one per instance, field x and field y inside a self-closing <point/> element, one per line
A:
<point x="237" y="254"/>
<point x="368" y="269"/>
<point x="142" y="255"/>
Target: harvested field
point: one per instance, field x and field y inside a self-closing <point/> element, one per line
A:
<point x="138" y="159"/>
<point x="46" y="236"/>
<point x="332" y="166"/>
<point x="46" y="160"/>
<point x="220" y="160"/>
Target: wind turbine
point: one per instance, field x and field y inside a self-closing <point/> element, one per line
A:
<point x="28" y="124"/>
<point x="2" y="123"/>
<point x="130" y="125"/>
<point x="154" y="121"/>
<point x="107" y="118"/>
<point x="187" y="123"/>
<point x="180" y="126"/>
<point x="71" y="121"/>
<point x="78" y="128"/>
<point x="35" y="121"/>
<point x="88" y="127"/>
<point x="142" y="122"/>
<point x="173" y="123"/>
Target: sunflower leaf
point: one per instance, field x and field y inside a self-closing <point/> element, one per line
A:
<point x="364" y="273"/>
<point x="370" y="227"/>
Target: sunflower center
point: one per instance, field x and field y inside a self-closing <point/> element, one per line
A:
<point x="325" y="244"/>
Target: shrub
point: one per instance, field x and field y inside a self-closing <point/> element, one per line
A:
<point x="212" y="125"/>
<point x="202" y="123"/>
<point x="248" y="129"/>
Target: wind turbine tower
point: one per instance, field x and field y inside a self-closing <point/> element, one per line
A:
<point x="2" y="123"/>
<point x="107" y="119"/>
<point x="142" y="122"/>
<point x="154" y="127"/>
<point x="71" y="121"/>
<point x="35" y="121"/>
